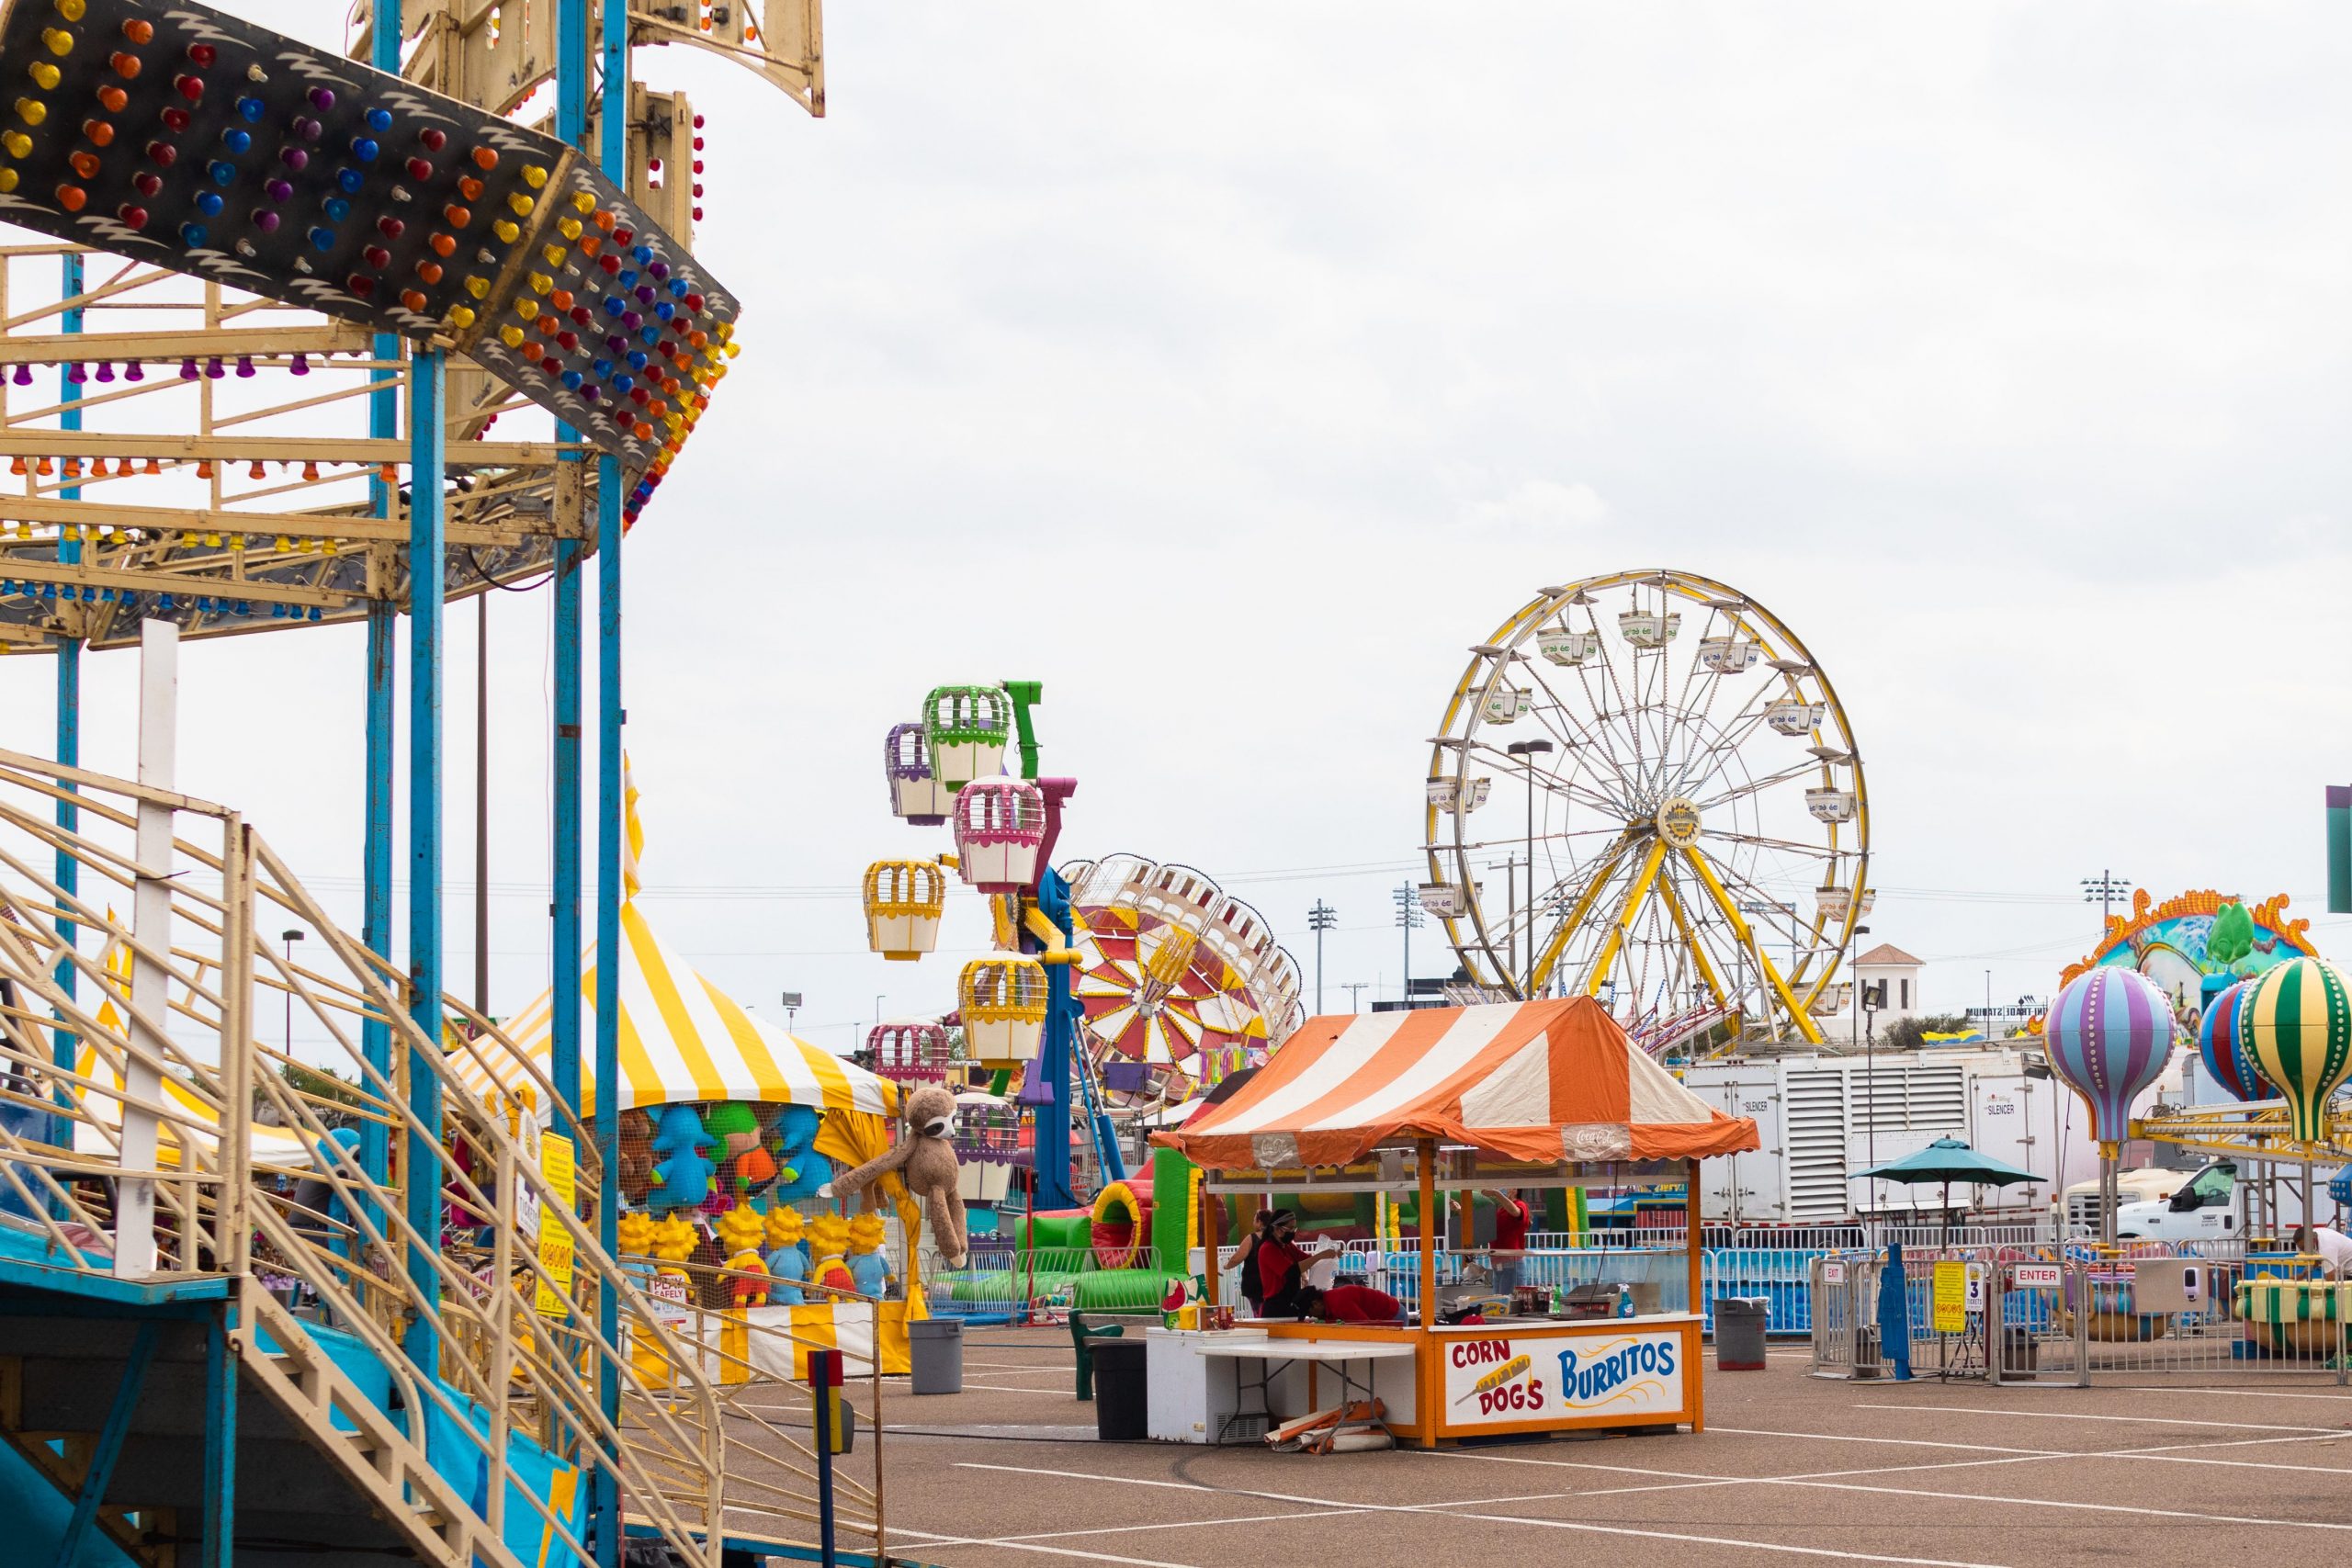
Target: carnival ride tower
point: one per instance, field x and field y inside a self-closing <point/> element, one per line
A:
<point x="339" y="334"/>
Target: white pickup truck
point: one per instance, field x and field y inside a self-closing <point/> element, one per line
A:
<point x="2210" y="1205"/>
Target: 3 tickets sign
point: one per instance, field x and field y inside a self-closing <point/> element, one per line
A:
<point x="1509" y="1381"/>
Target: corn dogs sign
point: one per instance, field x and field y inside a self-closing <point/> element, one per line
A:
<point x="1507" y="1381"/>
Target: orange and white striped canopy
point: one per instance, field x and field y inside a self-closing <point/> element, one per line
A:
<point x="1549" y="1081"/>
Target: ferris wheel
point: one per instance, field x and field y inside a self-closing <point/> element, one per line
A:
<point x="1175" y="973"/>
<point x="1692" y="845"/>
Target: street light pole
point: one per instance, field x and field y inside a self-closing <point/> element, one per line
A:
<point x="1353" y="987"/>
<point x="1320" y="919"/>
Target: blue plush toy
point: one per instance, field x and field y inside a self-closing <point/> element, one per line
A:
<point x="871" y="1270"/>
<point x="785" y="1266"/>
<point x="681" y="1175"/>
<point x="800" y="1170"/>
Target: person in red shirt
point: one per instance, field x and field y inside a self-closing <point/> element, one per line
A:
<point x="1349" y="1303"/>
<point x="1512" y="1217"/>
<point x="1282" y="1267"/>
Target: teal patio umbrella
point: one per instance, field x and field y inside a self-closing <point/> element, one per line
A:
<point x="1948" y="1160"/>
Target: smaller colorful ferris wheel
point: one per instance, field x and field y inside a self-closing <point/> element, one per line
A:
<point x="1175" y="973"/>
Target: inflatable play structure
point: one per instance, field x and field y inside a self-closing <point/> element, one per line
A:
<point x="1138" y="1238"/>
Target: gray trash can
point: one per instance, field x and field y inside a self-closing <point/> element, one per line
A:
<point x="1122" y="1392"/>
<point x="1740" y="1333"/>
<point x="935" y="1346"/>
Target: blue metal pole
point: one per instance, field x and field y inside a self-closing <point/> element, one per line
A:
<point x="64" y="1044"/>
<point x="563" y="1021"/>
<point x="1052" y="1150"/>
<point x="421" y="1176"/>
<point x="219" y="1443"/>
<point x="376" y="855"/>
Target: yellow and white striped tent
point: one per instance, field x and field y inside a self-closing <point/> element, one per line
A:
<point x="682" y="1038"/>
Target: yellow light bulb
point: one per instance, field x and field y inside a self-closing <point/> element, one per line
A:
<point x="541" y="283"/>
<point x="32" y="111"/>
<point x="477" y="287"/>
<point x="533" y="176"/>
<point x="582" y="202"/>
<point x="506" y="231"/>
<point x="43" y="73"/>
<point x="8" y="180"/>
<point x="522" y="203"/>
<point x="16" y="142"/>
<point x="511" y="335"/>
<point x="526" y="309"/>
<point x="733" y="349"/>
<point x="60" y="42"/>
<point x="569" y="228"/>
<point x="462" y="316"/>
<point x="71" y="10"/>
<point x="555" y="254"/>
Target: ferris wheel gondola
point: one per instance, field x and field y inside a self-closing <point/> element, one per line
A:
<point x="1694" y="843"/>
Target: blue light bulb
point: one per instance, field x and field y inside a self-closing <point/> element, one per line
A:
<point x="636" y="359"/>
<point x="252" y="109"/>
<point x="222" y="173"/>
<point x="649" y="335"/>
<point x="323" y="238"/>
<point x="349" y="179"/>
<point x="363" y="149"/>
<point x="192" y="234"/>
<point x="665" y="310"/>
<point x="338" y="209"/>
<point x="236" y="141"/>
<point x="614" y="305"/>
<point x="643" y="254"/>
<point x="209" y="203"/>
<point x="603" y="367"/>
<point x="629" y="280"/>
<point x="572" y="379"/>
<point x="678" y="289"/>
<point x="379" y="120"/>
<point x="623" y="383"/>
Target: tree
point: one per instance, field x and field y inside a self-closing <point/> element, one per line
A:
<point x="1909" y="1033"/>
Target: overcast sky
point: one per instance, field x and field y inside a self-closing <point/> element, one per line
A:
<point x="1230" y="369"/>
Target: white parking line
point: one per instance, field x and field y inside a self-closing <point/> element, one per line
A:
<point x="2076" y="1415"/>
<point x="1452" y="1511"/>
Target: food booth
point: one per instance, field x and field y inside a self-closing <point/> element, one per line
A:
<point x="1439" y="1103"/>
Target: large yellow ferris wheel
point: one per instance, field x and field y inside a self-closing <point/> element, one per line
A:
<point x="1693" y="846"/>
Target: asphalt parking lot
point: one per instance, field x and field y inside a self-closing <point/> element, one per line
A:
<point x="1960" y="1476"/>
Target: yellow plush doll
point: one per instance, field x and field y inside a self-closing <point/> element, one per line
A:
<point x="673" y="1243"/>
<point x="741" y="1231"/>
<point x="635" y="1236"/>
<point x="866" y="1263"/>
<point x="828" y="1241"/>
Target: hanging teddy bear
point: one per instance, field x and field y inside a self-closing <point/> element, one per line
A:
<point x="926" y="1161"/>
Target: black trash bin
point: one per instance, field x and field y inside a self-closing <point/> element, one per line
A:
<point x="1740" y="1333"/>
<point x="1122" y="1392"/>
<point x="935" y="1347"/>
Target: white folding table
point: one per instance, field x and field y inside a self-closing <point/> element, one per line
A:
<point x="1272" y="1354"/>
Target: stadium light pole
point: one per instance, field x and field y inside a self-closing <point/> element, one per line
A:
<point x="1320" y="919"/>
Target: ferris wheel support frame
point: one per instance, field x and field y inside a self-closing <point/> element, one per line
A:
<point x="1746" y="935"/>
<point x="1683" y="924"/>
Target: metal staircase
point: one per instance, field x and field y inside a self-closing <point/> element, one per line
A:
<point x="114" y="1411"/>
<point x="413" y="1410"/>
